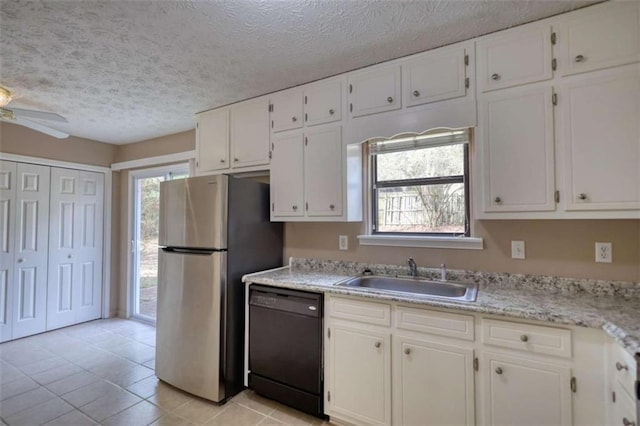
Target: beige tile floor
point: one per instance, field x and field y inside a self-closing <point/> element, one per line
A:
<point x="101" y="372"/>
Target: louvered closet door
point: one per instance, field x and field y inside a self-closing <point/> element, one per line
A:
<point x="75" y="248"/>
<point x="31" y="244"/>
<point x="7" y="245"/>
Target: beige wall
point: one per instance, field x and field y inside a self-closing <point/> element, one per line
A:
<point x="20" y="140"/>
<point x="553" y="247"/>
<point x="170" y="144"/>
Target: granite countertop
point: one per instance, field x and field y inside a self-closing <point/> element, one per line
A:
<point x="612" y="306"/>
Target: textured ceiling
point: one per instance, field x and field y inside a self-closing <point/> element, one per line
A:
<point x="124" y="71"/>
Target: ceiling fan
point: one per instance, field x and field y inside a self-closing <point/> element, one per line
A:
<point x="25" y="117"/>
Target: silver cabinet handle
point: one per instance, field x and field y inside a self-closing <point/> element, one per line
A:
<point x="20" y="260"/>
<point x="416" y="93"/>
<point x="331" y="112"/>
<point x="582" y="196"/>
<point x="579" y="58"/>
<point x="235" y="160"/>
<point x="331" y="206"/>
<point x="294" y="119"/>
<point x="497" y="200"/>
<point x="498" y="370"/>
<point x="377" y="344"/>
<point x="222" y="160"/>
<point x="70" y="256"/>
<point x="294" y="207"/>
<point x="621" y="367"/>
<point x="390" y="99"/>
<point x="495" y="76"/>
<point x="627" y="422"/>
<point x="524" y="338"/>
<point x="407" y="351"/>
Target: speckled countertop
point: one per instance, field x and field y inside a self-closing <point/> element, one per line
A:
<point x="611" y="305"/>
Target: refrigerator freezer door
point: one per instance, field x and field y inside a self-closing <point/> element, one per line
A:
<point x="190" y="319"/>
<point x="193" y="212"/>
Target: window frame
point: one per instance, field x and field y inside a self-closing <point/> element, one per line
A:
<point x="464" y="179"/>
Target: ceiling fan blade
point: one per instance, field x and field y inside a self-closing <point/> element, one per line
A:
<point x="38" y="127"/>
<point x="37" y="115"/>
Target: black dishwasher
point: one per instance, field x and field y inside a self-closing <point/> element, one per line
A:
<point x="285" y="346"/>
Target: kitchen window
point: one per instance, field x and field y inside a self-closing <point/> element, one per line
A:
<point x="419" y="189"/>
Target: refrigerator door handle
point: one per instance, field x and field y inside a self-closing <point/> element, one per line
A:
<point x="201" y="252"/>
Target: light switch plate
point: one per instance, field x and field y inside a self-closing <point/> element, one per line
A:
<point x="343" y="242"/>
<point x="604" y="253"/>
<point x="517" y="249"/>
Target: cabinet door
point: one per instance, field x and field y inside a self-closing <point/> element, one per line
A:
<point x="418" y="363"/>
<point x="7" y="246"/>
<point x="360" y="375"/>
<point x="600" y="37"/>
<point x="527" y="393"/>
<point x="374" y="91"/>
<point x="32" y="230"/>
<point x="601" y="138"/>
<point x="435" y="77"/>
<point x="287" y="174"/>
<point x="286" y="110"/>
<point x="514" y="57"/>
<point x="212" y="140"/>
<point x="623" y="409"/>
<point x="323" y="172"/>
<point x="250" y="133"/>
<point x="518" y="149"/>
<point x="323" y="103"/>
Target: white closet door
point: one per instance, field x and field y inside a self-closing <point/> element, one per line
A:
<point x="87" y="295"/>
<point x="31" y="247"/>
<point x="75" y="249"/>
<point x="7" y="245"/>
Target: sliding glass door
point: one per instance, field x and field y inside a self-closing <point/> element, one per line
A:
<point x="145" y="185"/>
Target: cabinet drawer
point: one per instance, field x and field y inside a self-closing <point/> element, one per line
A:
<point x="622" y="367"/>
<point x="367" y="312"/>
<point x="433" y="322"/>
<point x="514" y="57"/>
<point x="528" y="338"/>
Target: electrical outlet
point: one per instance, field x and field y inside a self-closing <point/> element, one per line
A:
<point x="343" y="242"/>
<point x="517" y="249"/>
<point x="604" y="253"/>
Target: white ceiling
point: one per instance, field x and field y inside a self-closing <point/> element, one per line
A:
<point x="124" y="71"/>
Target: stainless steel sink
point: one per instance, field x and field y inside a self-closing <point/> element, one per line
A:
<point x="441" y="289"/>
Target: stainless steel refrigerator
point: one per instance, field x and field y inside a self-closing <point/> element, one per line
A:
<point x="213" y="230"/>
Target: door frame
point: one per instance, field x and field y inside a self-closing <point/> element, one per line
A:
<point x="128" y="311"/>
<point x="106" y="228"/>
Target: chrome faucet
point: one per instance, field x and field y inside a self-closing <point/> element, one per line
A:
<point x="413" y="268"/>
<point x="443" y="272"/>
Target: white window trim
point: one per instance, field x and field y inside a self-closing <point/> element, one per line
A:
<point x="424" y="241"/>
<point x="420" y="241"/>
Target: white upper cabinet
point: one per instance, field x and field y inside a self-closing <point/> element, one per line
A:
<point x="514" y="57"/>
<point x="212" y="141"/>
<point x="517" y="149"/>
<point x="286" y="110"/>
<point x="250" y="133"/>
<point x="287" y="174"/>
<point x="323" y="102"/>
<point x="323" y="171"/>
<point x="601" y="138"/>
<point x="599" y="37"/>
<point x="374" y="91"/>
<point x="436" y="76"/>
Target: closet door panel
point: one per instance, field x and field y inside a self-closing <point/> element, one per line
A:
<point x="7" y="245"/>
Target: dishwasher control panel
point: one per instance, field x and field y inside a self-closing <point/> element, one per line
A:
<point x="307" y="304"/>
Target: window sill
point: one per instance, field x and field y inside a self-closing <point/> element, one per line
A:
<point x="462" y="243"/>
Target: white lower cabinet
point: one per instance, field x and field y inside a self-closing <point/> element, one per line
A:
<point x="418" y="362"/>
<point x="389" y="363"/>
<point x="520" y="391"/>
<point x="360" y="375"/>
